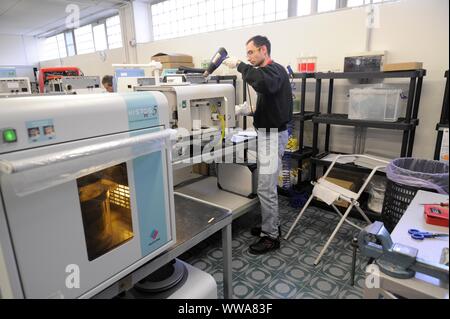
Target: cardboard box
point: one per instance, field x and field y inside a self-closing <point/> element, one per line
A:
<point x="176" y="65"/>
<point x="406" y="66"/>
<point x="172" y="58"/>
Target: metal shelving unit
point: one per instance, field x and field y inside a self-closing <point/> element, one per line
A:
<point x="318" y="160"/>
<point x="443" y="122"/>
<point x="304" y="152"/>
<point x="407" y="124"/>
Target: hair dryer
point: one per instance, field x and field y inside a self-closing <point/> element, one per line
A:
<point x="216" y="61"/>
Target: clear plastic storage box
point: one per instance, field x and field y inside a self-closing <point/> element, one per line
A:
<point x="376" y="104"/>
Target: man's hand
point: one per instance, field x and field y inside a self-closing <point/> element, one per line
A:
<point x="231" y="62"/>
<point x="242" y="109"/>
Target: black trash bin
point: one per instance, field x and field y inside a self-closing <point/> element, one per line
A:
<point x="406" y="176"/>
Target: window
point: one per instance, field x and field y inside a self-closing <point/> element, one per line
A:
<point x="100" y="37"/>
<point x="356" y="3"/>
<point x="84" y="39"/>
<point x="70" y="44"/>
<point x="303" y="7"/>
<point x="113" y="32"/>
<point x="174" y="18"/>
<point x="307" y="7"/>
<point x="49" y="49"/>
<point x="61" y="45"/>
<point x="53" y="48"/>
<point x="326" y="5"/>
<point x="104" y="198"/>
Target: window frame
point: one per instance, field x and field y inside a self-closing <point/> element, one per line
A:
<point x="92" y="36"/>
<point x="106" y="31"/>
<point x="74" y="42"/>
<point x="105" y="34"/>
<point x="159" y="12"/>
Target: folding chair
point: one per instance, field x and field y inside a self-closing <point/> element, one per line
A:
<point x="329" y="193"/>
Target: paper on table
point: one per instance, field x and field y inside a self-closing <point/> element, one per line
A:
<point x="248" y="133"/>
<point x="243" y="135"/>
<point x="237" y="138"/>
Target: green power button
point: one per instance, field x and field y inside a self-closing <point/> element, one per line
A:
<point x="9" y="135"/>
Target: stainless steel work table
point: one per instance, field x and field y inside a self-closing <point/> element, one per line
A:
<point x="196" y="220"/>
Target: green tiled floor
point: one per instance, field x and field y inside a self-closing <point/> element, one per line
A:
<point x="288" y="272"/>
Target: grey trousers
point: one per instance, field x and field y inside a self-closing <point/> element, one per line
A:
<point x="271" y="148"/>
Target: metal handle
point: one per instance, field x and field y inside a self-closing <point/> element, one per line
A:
<point x="21" y="165"/>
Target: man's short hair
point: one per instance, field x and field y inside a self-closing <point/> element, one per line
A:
<point x="107" y="79"/>
<point x="259" y="41"/>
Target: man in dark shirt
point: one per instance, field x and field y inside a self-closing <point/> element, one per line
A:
<point x="273" y="112"/>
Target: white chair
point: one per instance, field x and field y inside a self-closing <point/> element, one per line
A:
<point x="329" y="193"/>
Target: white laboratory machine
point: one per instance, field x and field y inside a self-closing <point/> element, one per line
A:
<point x="75" y="85"/>
<point x="15" y="86"/>
<point x="204" y="112"/>
<point x="127" y="84"/>
<point x="86" y="194"/>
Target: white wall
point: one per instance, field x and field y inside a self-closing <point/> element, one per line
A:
<point x="410" y="30"/>
<point x="20" y="52"/>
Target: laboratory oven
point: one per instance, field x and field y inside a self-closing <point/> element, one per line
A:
<point x="86" y="192"/>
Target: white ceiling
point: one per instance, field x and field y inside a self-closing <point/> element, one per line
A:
<point x="37" y="17"/>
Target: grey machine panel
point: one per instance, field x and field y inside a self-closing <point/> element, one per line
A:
<point x="14" y="86"/>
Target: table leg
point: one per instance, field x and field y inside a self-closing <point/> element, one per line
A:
<point x="227" y="259"/>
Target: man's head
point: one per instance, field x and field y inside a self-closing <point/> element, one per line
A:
<point x="258" y="50"/>
<point x="107" y="82"/>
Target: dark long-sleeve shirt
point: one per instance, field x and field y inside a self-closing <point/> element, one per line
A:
<point x="274" y="104"/>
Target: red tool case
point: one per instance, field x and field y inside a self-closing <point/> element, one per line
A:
<point x="436" y="215"/>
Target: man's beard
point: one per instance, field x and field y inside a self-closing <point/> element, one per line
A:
<point x="258" y="64"/>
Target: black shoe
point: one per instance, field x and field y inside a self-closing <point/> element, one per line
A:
<point x="256" y="231"/>
<point x="264" y="245"/>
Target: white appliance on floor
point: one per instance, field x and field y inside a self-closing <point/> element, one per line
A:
<point x="177" y="280"/>
<point x="199" y="285"/>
